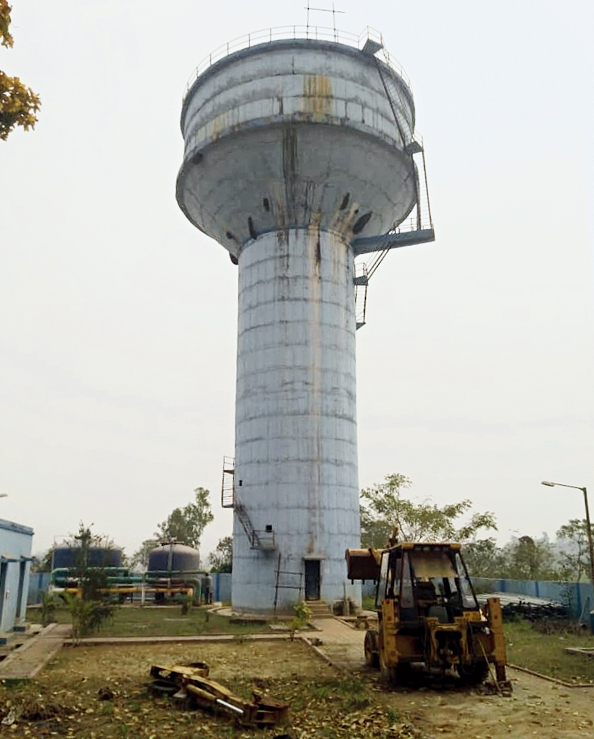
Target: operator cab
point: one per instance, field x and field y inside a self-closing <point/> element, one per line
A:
<point x="428" y="580"/>
<point x="428" y="613"/>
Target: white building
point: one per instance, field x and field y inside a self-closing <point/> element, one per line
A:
<point x="15" y="564"/>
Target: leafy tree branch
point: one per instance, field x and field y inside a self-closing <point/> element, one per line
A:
<point x="385" y="508"/>
<point x="187" y="524"/>
<point x="18" y="103"/>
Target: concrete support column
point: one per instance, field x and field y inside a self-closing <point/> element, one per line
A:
<point x="296" y="433"/>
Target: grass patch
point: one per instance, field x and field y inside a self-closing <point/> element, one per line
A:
<point x="368" y="603"/>
<point x="163" y="621"/>
<point x="69" y="700"/>
<point x="545" y="653"/>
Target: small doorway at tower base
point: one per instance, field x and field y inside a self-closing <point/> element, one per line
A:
<point x="312" y="579"/>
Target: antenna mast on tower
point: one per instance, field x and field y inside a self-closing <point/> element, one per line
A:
<point x="326" y="10"/>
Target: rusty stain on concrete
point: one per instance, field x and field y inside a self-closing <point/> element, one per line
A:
<point x="290" y="171"/>
<point x="317" y="94"/>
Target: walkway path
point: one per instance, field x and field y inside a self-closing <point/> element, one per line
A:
<point x="340" y="643"/>
<point x="26" y="661"/>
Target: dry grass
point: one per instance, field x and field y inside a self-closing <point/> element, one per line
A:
<point x="66" y="698"/>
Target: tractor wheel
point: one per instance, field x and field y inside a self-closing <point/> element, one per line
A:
<point x="371" y="649"/>
<point x="474" y="673"/>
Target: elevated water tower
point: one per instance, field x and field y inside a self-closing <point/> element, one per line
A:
<point x="299" y="156"/>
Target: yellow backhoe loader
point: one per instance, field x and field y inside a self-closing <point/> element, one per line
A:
<point x="428" y="613"/>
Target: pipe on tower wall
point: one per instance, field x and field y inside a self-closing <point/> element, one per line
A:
<point x="296" y="433"/>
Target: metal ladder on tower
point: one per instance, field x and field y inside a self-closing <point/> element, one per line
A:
<point x="258" y="539"/>
<point x="286" y="575"/>
<point x="418" y="228"/>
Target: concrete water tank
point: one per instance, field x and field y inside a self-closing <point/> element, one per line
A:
<point x="299" y="155"/>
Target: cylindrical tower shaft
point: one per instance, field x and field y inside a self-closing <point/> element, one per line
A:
<point x="296" y="435"/>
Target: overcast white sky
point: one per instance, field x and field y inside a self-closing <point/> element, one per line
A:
<point x="118" y="318"/>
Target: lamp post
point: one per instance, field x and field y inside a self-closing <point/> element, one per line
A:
<point x="588" y="526"/>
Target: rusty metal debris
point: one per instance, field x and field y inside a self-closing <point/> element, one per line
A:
<point x="190" y="683"/>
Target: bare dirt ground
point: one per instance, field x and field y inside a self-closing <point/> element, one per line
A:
<point x="325" y="703"/>
<point x="536" y="707"/>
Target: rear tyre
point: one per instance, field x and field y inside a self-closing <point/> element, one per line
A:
<point x="474" y="673"/>
<point x="371" y="649"/>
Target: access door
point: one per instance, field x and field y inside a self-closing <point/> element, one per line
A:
<point x="312" y="579"/>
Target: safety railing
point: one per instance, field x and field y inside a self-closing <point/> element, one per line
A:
<point x="314" y="33"/>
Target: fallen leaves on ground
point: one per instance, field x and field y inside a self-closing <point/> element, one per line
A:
<point x="101" y="692"/>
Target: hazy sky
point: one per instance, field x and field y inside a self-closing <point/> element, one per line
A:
<point x="118" y="318"/>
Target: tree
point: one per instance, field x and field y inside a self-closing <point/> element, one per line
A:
<point x="42" y="562"/>
<point x="187" y="524"/>
<point x="574" y="551"/>
<point x="530" y="559"/>
<point x="221" y="560"/>
<point x="140" y="557"/>
<point x="18" y="103"/>
<point x="91" y="576"/>
<point x="95" y="605"/>
<point x="385" y="509"/>
<point x="485" y="559"/>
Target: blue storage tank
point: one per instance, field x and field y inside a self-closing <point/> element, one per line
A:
<point x="69" y="555"/>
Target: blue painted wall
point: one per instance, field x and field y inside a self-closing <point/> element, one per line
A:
<point x="38" y="582"/>
<point x="578" y="596"/>
<point x="221" y="586"/>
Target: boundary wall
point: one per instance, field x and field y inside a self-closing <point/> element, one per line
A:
<point x="578" y="596"/>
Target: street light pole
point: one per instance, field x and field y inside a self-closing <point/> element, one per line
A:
<point x="589" y="536"/>
<point x="588" y="525"/>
